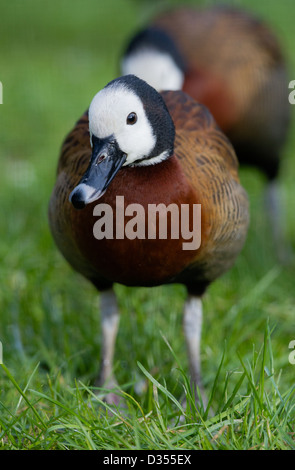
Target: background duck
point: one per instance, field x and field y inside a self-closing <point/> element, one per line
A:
<point x="232" y="62"/>
<point x="150" y="148"/>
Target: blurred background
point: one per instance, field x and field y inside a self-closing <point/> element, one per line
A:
<point x="54" y="57"/>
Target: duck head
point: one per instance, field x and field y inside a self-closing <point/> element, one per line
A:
<point x="152" y="55"/>
<point x="129" y="125"/>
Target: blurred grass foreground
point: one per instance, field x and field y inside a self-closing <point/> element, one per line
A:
<point x="54" y="57"/>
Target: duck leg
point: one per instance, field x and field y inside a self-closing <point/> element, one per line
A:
<point x="192" y="325"/>
<point x="109" y="323"/>
<point x="276" y="218"/>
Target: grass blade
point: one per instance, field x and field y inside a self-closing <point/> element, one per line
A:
<point x="23" y="395"/>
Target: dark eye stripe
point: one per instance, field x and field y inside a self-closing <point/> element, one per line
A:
<point x="131" y="118"/>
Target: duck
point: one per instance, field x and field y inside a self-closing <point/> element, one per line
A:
<point x="133" y="150"/>
<point x="232" y="62"/>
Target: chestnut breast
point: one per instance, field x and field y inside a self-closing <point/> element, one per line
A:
<point x="139" y="261"/>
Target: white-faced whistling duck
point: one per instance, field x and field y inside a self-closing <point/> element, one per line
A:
<point x="153" y="150"/>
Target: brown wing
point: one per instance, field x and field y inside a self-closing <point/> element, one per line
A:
<point x="74" y="158"/>
<point x="211" y="167"/>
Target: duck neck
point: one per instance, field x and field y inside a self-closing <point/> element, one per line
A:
<point x="150" y="161"/>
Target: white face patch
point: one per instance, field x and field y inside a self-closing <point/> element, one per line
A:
<point x="108" y="113"/>
<point x="157" y="68"/>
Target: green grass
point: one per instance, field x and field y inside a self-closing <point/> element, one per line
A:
<point x="54" y="58"/>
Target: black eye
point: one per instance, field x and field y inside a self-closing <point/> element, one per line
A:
<point x="131" y="119"/>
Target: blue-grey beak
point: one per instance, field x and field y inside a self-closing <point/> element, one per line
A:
<point x="106" y="161"/>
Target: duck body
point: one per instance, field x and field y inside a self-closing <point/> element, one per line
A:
<point x="233" y="64"/>
<point x="202" y="170"/>
<point x="132" y="150"/>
